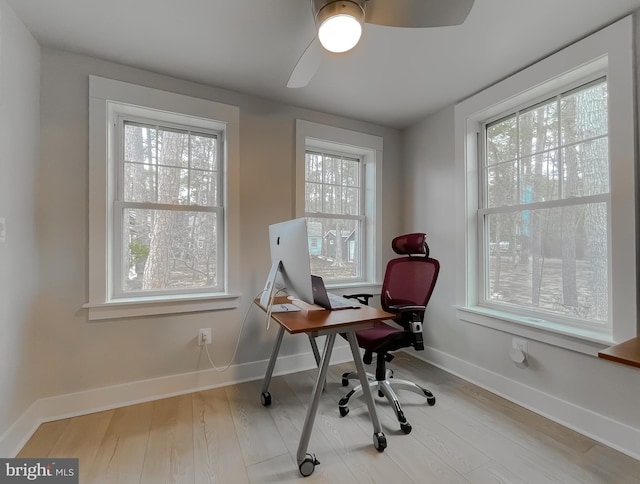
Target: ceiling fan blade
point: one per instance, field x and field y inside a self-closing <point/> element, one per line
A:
<point x="417" y="13"/>
<point x="307" y="65"/>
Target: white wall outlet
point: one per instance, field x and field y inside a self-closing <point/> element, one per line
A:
<point x="204" y="336"/>
<point x="519" y="344"/>
<point x="518" y="352"/>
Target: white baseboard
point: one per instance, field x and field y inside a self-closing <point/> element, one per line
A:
<point x="605" y="430"/>
<point x="105" y="398"/>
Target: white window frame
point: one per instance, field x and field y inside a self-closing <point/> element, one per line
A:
<point x="360" y="218"/>
<point x="109" y="99"/>
<point x="608" y="52"/>
<point x="119" y="115"/>
<point x="483" y="279"/>
<point x="368" y="148"/>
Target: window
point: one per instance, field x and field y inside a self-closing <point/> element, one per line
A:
<point x="163" y="202"/>
<point x="335" y="216"/>
<point x="338" y="191"/>
<point x="547" y="163"/>
<point x="544" y="211"/>
<point x="169" y="215"/>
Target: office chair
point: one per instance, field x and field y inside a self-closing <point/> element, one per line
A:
<point x="406" y="290"/>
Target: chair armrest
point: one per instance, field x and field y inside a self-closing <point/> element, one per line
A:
<point x="404" y="309"/>
<point x="361" y="298"/>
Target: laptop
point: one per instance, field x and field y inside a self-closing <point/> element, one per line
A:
<point x="327" y="300"/>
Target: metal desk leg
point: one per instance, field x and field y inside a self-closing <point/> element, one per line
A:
<point x="308" y="462"/>
<point x="379" y="439"/>
<point x="316" y="353"/>
<point x="314" y="348"/>
<point x="265" y="396"/>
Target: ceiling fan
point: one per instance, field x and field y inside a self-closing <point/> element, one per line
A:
<point x="339" y="25"/>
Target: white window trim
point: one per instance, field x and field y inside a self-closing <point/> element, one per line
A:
<point x="609" y="50"/>
<point x="369" y="148"/>
<point x="101" y="304"/>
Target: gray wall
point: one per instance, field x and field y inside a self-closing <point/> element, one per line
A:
<point x="76" y="354"/>
<point x="19" y="133"/>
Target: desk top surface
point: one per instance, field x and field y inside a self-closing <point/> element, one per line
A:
<point x="627" y="353"/>
<point x="304" y="321"/>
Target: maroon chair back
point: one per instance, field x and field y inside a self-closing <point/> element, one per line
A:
<point x="409" y="280"/>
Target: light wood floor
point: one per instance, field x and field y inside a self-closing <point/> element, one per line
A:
<point x="226" y="436"/>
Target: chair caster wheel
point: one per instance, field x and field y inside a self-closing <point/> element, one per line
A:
<point x="431" y="401"/>
<point x="308" y="465"/>
<point x="379" y="441"/>
<point x="344" y="411"/>
<point x="265" y="399"/>
<point x="345" y="379"/>
<point x="405" y="427"/>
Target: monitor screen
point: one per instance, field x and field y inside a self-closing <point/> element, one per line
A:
<point x="289" y="245"/>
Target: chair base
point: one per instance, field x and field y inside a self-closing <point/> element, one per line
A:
<point x="385" y="388"/>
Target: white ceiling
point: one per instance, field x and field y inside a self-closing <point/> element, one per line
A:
<point x="395" y="77"/>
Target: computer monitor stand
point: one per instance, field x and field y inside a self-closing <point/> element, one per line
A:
<point x="265" y="299"/>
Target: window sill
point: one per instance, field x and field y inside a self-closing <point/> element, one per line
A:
<point x="582" y="341"/>
<point x="159" y="305"/>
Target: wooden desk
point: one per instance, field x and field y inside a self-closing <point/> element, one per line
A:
<point x="330" y="323"/>
<point x="627" y="353"/>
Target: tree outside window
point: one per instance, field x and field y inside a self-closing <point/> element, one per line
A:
<point x="545" y="206"/>
<point x="334" y="211"/>
<point x="169" y="208"/>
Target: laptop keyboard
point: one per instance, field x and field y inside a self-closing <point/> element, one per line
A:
<point x="339" y="301"/>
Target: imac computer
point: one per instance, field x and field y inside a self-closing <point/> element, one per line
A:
<point x="290" y="267"/>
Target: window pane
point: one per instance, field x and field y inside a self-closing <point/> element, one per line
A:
<point x="203" y="188"/>
<point x="195" y="182"/>
<point x="313" y="198"/>
<point x="333" y="188"/>
<point x="351" y="173"/>
<point x="173" y="148"/>
<point x="334" y="248"/>
<point x="551" y="260"/>
<point x="313" y="167"/>
<point x="502" y="184"/>
<point x="173" y="185"/>
<point x="332" y="168"/>
<point x="539" y="129"/>
<point x="204" y="152"/>
<point x="165" y="249"/>
<point x="140" y="143"/>
<point x="139" y="183"/>
<point x="332" y="199"/>
<point x="351" y="201"/>
<point x="502" y="141"/>
<point x="540" y="179"/>
<point x="586" y="168"/>
<point x="584" y="114"/>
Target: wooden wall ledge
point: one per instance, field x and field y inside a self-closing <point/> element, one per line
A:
<point x="627" y="353"/>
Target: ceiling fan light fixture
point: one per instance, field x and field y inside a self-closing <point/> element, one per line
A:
<point x="339" y="25"/>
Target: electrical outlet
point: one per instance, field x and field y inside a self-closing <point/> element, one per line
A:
<point x="518" y="352"/>
<point x="204" y="336"/>
<point x="519" y="344"/>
